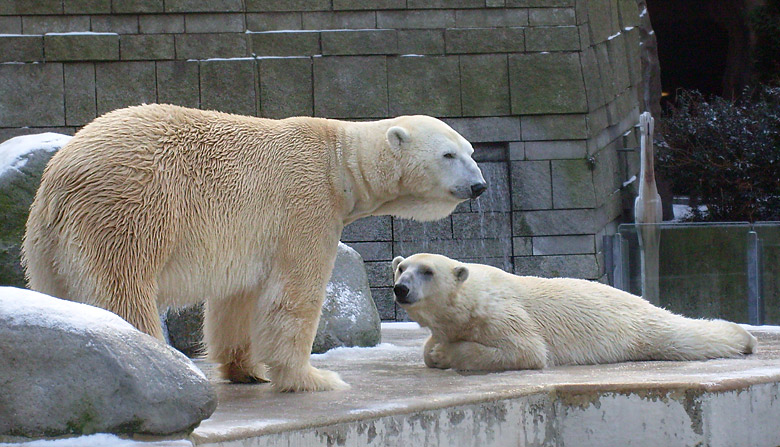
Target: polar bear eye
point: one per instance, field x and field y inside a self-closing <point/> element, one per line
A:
<point x="400" y="269"/>
<point x="449" y="155"/>
<point x="426" y="272"/>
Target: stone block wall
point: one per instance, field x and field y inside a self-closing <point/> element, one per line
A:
<point x="546" y="90"/>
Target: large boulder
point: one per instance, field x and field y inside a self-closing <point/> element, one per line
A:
<point x="69" y="368"/>
<point x="22" y="160"/>
<point x="349" y="315"/>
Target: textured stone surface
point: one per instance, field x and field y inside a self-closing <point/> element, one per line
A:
<point x="432" y="78"/>
<point x="147" y="47"/>
<point x="553" y="222"/>
<point x="374" y="228"/>
<point x="572" y="184"/>
<point x="285" y="43"/>
<point x="124" y="84"/>
<point x="19" y="83"/>
<point x="178" y="83"/>
<point x="546" y="83"/>
<point x="211" y="45"/>
<point x="228" y="86"/>
<point x="349" y="315"/>
<point x="285" y="87"/>
<point x="350" y="87"/>
<point x="569" y="266"/>
<point x="22" y="160"/>
<point x="563" y="245"/>
<point x="69" y="368"/>
<point x="21" y="48"/>
<point x="552" y="38"/>
<point x="183" y="328"/>
<point x="484" y="40"/>
<point x="80" y="100"/>
<point x="531" y="185"/>
<point x="81" y="47"/>
<point x="359" y="42"/>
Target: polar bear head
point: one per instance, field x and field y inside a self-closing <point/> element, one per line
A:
<point x="435" y="168"/>
<point x="425" y="282"/>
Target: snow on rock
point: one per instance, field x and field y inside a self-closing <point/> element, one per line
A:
<point x="70" y="369"/>
<point x="13" y="152"/>
<point x="98" y="440"/>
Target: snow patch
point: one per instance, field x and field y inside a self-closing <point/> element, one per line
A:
<point x="97" y="440"/>
<point x="348" y="301"/>
<point x="629" y="181"/>
<point x="13" y="151"/>
<point x="613" y="36"/>
<point x="29" y="308"/>
<point x="81" y="33"/>
<point x="358" y="353"/>
<point x="404" y="325"/>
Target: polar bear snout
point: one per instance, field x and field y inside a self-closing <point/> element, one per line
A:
<point x="401" y="292"/>
<point x="477" y="189"/>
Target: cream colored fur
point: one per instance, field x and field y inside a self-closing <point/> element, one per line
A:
<point x="493" y="320"/>
<point x="158" y="205"/>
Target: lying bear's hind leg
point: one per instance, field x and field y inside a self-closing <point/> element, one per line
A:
<point x="226" y="331"/>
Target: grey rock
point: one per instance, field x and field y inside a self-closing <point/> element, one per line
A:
<point x="22" y="160"/>
<point x="70" y="368"/>
<point x="349" y="315"/>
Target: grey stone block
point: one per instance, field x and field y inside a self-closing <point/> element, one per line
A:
<point x="374" y="251"/>
<point x="137" y="6"/>
<point x="415" y="19"/>
<point x="488" y="152"/>
<point x="22" y="7"/>
<point x="552" y="38"/>
<point x="273" y="21"/>
<point x="516" y="151"/>
<point x="184" y="329"/>
<point x="424" y="85"/>
<point x="522" y="246"/>
<point x="552" y="16"/>
<point x="380" y="274"/>
<point x="147" y="47"/>
<point x="122" y="84"/>
<point x="18" y="48"/>
<point x="292" y="43"/>
<point x="539" y="3"/>
<point x="352" y="5"/>
<point x="373" y="228"/>
<point x="178" y="83"/>
<point x="80" y="101"/>
<point x="444" y="4"/>
<point x="482" y="225"/>
<point x="412" y="230"/>
<point x="10" y="25"/>
<point x="546" y="83"/>
<point x="531" y="185"/>
<point x="484" y="84"/>
<point x="629" y="13"/>
<point x="488" y="129"/>
<point x="602" y="20"/>
<point x="554" y="127"/>
<point x="285" y="87"/>
<point x="338" y="20"/>
<point x="121" y="24"/>
<point x="287" y="5"/>
<point x="350" y="87"/>
<point x="456" y="248"/>
<point x="497" y="196"/>
<point x="31" y="95"/>
<point x="228" y="86"/>
<point x="553" y="222"/>
<point x="616" y="49"/>
<point x="490" y="18"/>
<point x="54" y="24"/>
<point x="205" y="46"/>
<point x="568" y="266"/>
<point x="606" y="176"/>
<point x="205" y="6"/>
<point x="572" y="183"/>
<point x="563" y="245"/>
<point x="214" y="23"/>
<point x="365" y="42"/>
<point x="633" y="48"/>
<point x="385" y="302"/>
<point x="484" y="40"/>
<point x="592" y="78"/>
<point x="81" y="47"/>
<point x="154" y="23"/>
<point x="420" y="41"/>
<point x="552" y="150"/>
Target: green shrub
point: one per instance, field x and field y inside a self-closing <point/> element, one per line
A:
<point x="724" y="154"/>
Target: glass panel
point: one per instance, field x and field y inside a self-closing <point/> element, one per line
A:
<point x="769" y="235"/>
<point x="702" y="268"/>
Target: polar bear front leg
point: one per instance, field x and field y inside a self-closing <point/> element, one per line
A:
<point x="472" y="356"/>
<point x="435" y="355"/>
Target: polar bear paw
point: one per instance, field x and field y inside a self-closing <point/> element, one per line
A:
<point x="439" y="356"/>
<point x="311" y="379"/>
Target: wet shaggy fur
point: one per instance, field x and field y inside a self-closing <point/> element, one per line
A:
<point x="157" y="205"/>
<point x="482" y="318"/>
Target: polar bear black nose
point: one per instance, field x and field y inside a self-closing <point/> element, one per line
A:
<point x="400" y="291"/>
<point x="477" y="189"/>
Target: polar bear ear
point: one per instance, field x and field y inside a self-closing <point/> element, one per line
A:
<point x="397" y="136"/>
<point x="461" y="273"/>
<point x="396" y="261"/>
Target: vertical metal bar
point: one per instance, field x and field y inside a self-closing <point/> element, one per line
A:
<point x="755" y="298"/>
<point x="609" y="261"/>
<point x="620" y="261"/>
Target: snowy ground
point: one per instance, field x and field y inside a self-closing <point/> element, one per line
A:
<point x="12" y="151"/>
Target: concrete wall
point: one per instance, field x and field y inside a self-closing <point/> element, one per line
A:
<point x="545" y="89"/>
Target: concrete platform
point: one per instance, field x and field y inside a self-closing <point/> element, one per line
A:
<point x="395" y="400"/>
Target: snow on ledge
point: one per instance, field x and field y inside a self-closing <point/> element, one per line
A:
<point x="12" y="151"/>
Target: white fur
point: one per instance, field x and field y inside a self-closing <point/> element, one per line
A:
<point x="158" y="205"/>
<point x="493" y="320"/>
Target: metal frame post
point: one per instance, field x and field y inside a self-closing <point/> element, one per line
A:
<point x="754" y="286"/>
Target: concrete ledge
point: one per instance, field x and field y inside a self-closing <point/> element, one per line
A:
<point x="396" y="400"/>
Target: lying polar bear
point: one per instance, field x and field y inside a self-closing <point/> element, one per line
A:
<point x="482" y="318"/>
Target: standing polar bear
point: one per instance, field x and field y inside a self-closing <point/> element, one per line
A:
<point x="482" y="318"/>
<point x="158" y="205"/>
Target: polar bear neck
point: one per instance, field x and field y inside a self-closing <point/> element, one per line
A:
<point x="370" y="168"/>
